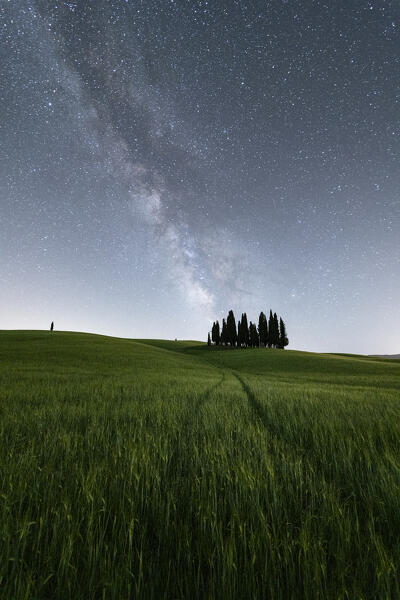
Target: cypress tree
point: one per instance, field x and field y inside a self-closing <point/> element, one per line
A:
<point x="276" y="331"/>
<point x="208" y="339"/>
<point x="254" y="339"/>
<point x="217" y="334"/>
<point x="270" y="329"/>
<point x="283" y="339"/>
<point x="245" y="330"/>
<point x="223" y="333"/>
<point x="231" y="329"/>
<point x="263" y="329"/>
<point x="239" y="336"/>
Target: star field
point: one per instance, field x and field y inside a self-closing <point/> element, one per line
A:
<point x="165" y="161"/>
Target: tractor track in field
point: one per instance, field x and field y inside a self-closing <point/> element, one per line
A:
<point x="261" y="414"/>
<point x="207" y="394"/>
<point x="257" y="407"/>
<point x="193" y="409"/>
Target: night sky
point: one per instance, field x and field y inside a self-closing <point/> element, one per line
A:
<point x="164" y="161"/>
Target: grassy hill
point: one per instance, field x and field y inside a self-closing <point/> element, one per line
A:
<point x="160" y="469"/>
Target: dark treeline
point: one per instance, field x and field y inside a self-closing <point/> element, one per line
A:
<point x="270" y="333"/>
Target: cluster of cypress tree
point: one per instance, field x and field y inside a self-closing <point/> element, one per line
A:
<point x="270" y="332"/>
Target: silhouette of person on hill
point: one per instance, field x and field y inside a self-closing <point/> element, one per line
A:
<point x="52" y="326"/>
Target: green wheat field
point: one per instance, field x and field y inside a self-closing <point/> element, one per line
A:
<point x="169" y="470"/>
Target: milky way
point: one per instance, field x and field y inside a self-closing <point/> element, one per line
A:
<point x="163" y="162"/>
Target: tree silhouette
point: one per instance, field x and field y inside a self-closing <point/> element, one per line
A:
<point x="283" y="339"/>
<point x="263" y="329"/>
<point x="275" y="331"/>
<point x="217" y="334"/>
<point x="254" y="339"/>
<point x="270" y="329"/>
<point x="231" y="329"/>
<point x="208" y="339"/>
<point x="224" y="335"/>
<point x="245" y="330"/>
<point x="239" y="335"/>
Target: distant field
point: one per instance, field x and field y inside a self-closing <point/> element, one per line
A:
<point x="166" y="470"/>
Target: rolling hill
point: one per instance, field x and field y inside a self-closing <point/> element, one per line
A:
<point x="161" y="469"/>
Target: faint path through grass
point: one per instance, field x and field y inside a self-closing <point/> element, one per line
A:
<point x="257" y="407"/>
<point x="208" y="393"/>
<point x="192" y="410"/>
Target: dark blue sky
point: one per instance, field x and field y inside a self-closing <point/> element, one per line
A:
<point x="163" y="162"/>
